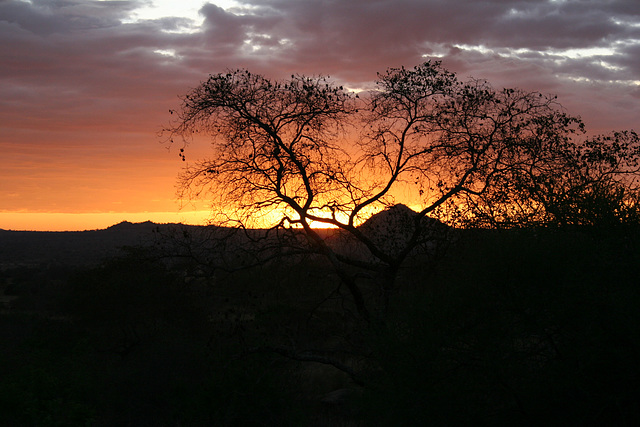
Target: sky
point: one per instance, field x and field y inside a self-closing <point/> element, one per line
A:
<point x="85" y="86"/>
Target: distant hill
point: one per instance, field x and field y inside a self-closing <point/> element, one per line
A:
<point x="31" y="248"/>
<point x="132" y="226"/>
<point x="393" y="227"/>
<point x="389" y="228"/>
<point x="397" y="219"/>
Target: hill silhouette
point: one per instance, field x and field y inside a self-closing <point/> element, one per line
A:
<point x="74" y="248"/>
<point x="32" y="248"/>
<point x="397" y="218"/>
<point x="392" y="228"/>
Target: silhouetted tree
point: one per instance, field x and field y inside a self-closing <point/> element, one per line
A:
<point x="313" y="153"/>
<point x="593" y="182"/>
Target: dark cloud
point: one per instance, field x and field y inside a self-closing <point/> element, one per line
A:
<point x="82" y="69"/>
<point x="45" y="17"/>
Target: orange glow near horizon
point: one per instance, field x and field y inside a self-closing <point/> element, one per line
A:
<point x="48" y="221"/>
<point x="153" y="191"/>
<point x="55" y="221"/>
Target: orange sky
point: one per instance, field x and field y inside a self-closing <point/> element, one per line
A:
<point x="86" y="86"/>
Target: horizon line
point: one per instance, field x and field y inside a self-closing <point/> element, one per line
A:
<point x="90" y="221"/>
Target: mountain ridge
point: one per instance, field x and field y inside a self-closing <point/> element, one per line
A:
<point x="23" y="247"/>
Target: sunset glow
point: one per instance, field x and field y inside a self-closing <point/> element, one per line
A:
<point x="85" y="87"/>
<point x="54" y="221"/>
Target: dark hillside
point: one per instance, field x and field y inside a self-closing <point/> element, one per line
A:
<point x="507" y="327"/>
<point x="32" y="248"/>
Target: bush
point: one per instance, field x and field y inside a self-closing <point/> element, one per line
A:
<point x="519" y="327"/>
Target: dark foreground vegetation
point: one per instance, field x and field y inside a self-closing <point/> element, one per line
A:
<point x="511" y="327"/>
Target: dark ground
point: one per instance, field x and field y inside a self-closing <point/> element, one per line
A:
<point x="524" y="327"/>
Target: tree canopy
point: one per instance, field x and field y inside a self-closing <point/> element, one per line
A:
<point x="315" y="153"/>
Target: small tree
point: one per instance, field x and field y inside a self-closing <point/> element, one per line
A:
<point x="604" y="185"/>
<point x="313" y="153"/>
<point x="593" y="182"/>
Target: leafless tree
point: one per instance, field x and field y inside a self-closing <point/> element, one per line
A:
<point x="313" y="153"/>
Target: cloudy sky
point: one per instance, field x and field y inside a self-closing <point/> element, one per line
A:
<point x="86" y="85"/>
